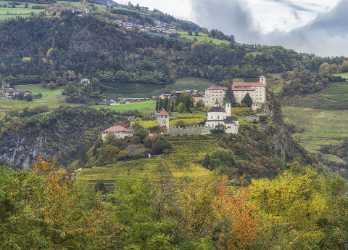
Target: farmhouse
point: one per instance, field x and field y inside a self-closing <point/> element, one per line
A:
<point x="256" y="90"/>
<point x="214" y="94"/>
<point x="118" y="131"/>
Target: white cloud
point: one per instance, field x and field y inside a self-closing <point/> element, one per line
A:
<point x="268" y="15"/>
<point x="286" y="15"/>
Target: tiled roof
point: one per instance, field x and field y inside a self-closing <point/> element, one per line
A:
<point x="246" y="85"/>
<point x="117" y="129"/>
<point x="163" y="113"/>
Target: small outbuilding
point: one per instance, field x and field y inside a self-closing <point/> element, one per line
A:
<point x="118" y="131"/>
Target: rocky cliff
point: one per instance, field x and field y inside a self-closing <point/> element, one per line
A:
<point x="63" y="135"/>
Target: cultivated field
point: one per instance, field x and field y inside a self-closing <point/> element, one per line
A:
<point x="335" y="97"/>
<point x="182" y="162"/>
<point x="321" y="118"/>
<point x="320" y="127"/>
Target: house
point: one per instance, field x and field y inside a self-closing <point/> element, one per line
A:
<point x="118" y="131"/>
<point x="256" y="90"/>
<point x="163" y="119"/>
<point x="218" y="117"/>
<point x="214" y="94"/>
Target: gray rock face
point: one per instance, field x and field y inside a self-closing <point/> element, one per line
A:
<point x="65" y="135"/>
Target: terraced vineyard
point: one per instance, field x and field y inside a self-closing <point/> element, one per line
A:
<point x="182" y="162"/>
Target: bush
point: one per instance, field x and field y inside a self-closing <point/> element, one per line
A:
<point x="160" y="146"/>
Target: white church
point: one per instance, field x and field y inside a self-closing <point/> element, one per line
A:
<point x="219" y="117"/>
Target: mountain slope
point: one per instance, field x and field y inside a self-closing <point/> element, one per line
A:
<point x="42" y="49"/>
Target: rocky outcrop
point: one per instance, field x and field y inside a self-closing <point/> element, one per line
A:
<point x="282" y="141"/>
<point x="63" y="135"/>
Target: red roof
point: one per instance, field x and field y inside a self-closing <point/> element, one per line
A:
<point x="246" y="85"/>
<point x="217" y="87"/>
<point x="163" y="113"/>
<point x="117" y="129"/>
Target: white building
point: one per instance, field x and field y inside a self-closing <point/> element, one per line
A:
<point x="256" y="90"/>
<point x="214" y="94"/>
<point x="219" y="117"/>
<point x="117" y="131"/>
<point x="163" y="119"/>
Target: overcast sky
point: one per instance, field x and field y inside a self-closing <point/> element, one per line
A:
<point x="305" y="25"/>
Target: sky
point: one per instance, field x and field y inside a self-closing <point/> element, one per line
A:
<point x="314" y="26"/>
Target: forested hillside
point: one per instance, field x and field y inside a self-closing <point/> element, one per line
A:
<point x="58" y="50"/>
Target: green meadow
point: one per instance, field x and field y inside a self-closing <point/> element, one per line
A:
<point x="144" y="107"/>
<point x="19" y="11"/>
<point x="53" y="98"/>
<point x="343" y="75"/>
<point x="317" y="127"/>
<point x="50" y="98"/>
<point x="203" y="38"/>
<point x="321" y="118"/>
<point x="335" y="97"/>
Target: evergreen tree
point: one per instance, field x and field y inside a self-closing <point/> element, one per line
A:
<point x="247" y="101"/>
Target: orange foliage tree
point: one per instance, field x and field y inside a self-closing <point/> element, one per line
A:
<point x="238" y="217"/>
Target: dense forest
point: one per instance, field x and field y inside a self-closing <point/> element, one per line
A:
<point x="56" y="50"/>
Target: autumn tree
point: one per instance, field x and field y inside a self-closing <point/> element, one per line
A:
<point x="238" y="218"/>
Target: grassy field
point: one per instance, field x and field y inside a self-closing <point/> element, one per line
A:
<point x="19" y="11"/>
<point x="203" y="38"/>
<point x="182" y="162"/>
<point x="343" y="75"/>
<point x="335" y="97"/>
<point x="26" y="9"/>
<point x="321" y="118"/>
<point x="50" y="98"/>
<point x="320" y="127"/>
<point x="54" y="98"/>
<point x="144" y="107"/>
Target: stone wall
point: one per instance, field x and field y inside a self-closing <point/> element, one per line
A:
<point x="192" y="130"/>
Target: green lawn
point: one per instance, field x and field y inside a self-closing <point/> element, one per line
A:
<point x="144" y="107"/>
<point x="203" y="38"/>
<point x="50" y="98"/>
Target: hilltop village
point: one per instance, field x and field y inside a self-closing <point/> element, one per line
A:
<point x="217" y="101"/>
